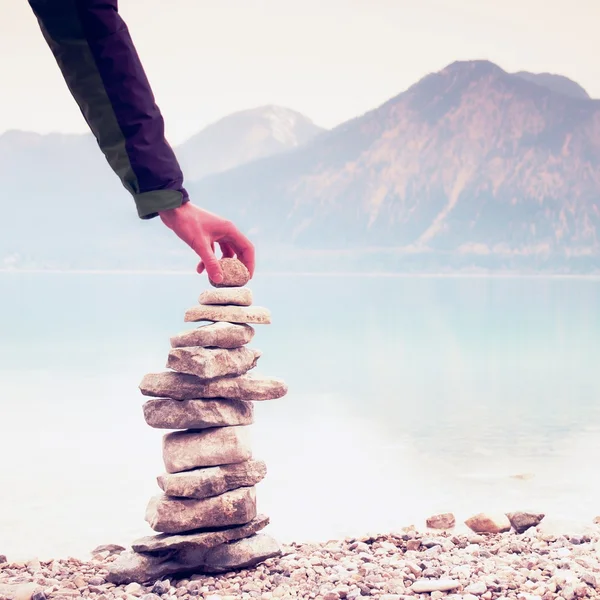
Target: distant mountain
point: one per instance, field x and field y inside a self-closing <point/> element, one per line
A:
<point x="243" y="137"/>
<point x="62" y="205"/>
<point x="556" y="83"/>
<point x="470" y="168"/>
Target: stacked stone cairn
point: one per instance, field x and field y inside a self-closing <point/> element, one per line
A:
<point x="207" y="515"/>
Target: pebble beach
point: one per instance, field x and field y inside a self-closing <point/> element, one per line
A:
<point x="409" y="564"/>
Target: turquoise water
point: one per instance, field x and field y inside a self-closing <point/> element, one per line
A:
<point x="407" y="396"/>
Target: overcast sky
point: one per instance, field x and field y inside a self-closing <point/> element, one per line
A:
<point x="329" y="59"/>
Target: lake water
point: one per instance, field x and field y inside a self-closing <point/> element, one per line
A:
<point x="407" y="396"/>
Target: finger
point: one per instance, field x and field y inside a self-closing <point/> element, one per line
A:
<point x="246" y="255"/>
<point x="242" y="247"/>
<point x="226" y="250"/>
<point x="204" y="249"/>
<point x="200" y="268"/>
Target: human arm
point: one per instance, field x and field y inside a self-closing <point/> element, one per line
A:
<point x="98" y="60"/>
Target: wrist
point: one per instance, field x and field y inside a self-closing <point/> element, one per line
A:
<point x="172" y="214"/>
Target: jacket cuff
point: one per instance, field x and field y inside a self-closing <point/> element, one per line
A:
<point x="150" y="203"/>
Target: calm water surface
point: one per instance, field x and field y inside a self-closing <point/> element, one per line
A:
<point x="407" y="396"/>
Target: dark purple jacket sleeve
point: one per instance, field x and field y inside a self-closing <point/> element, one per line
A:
<point x="93" y="48"/>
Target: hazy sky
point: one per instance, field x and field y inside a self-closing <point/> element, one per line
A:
<point x="329" y="59"/>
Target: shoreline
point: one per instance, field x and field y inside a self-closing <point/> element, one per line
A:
<point x="329" y="274"/>
<point x="396" y="566"/>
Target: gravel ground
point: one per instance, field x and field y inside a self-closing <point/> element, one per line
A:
<point x="409" y="564"/>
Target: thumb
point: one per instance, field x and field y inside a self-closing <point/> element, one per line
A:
<point x="211" y="264"/>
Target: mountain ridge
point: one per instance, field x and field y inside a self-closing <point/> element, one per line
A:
<point x="547" y="121"/>
<point x="242" y="137"/>
<point x="471" y="168"/>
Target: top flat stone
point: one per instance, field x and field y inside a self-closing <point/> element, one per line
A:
<point x="235" y="274"/>
<point x="229" y="314"/>
<point x="240" y="296"/>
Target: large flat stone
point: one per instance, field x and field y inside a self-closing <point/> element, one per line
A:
<point x="198" y="540"/>
<point x="164" y="413"/>
<point x="243" y="554"/>
<point x="210" y="363"/>
<point x="174" y="554"/>
<point x="177" y="515"/>
<point x="239" y="296"/>
<point x="216" y="335"/>
<point x="180" y="386"/>
<point x="212" y="481"/>
<point x="230" y="314"/>
<point x="185" y="450"/>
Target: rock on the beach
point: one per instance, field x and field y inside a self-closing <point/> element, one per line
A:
<point x="422" y="586"/>
<point x="239" y="296"/>
<point x="210" y="363"/>
<point x="488" y="523"/>
<point x="242" y="554"/>
<point x="3" y="559"/>
<point x="229" y="314"/>
<point x="522" y="521"/>
<point x="186" y="450"/>
<point x="21" y="591"/>
<point x="477" y="588"/>
<point x="182" y="557"/>
<point x="177" y="515"/>
<point x="442" y="521"/>
<point x="180" y="386"/>
<point x="212" y="481"/>
<point x="235" y="273"/>
<point x="134" y="589"/>
<point x="110" y="548"/>
<point x="216" y="335"/>
<point x="164" y="413"/>
<point x="204" y="540"/>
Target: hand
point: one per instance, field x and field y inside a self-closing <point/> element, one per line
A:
<point x="200" y="229"/>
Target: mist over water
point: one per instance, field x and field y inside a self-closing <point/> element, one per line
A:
<point x="407" y="396"/>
